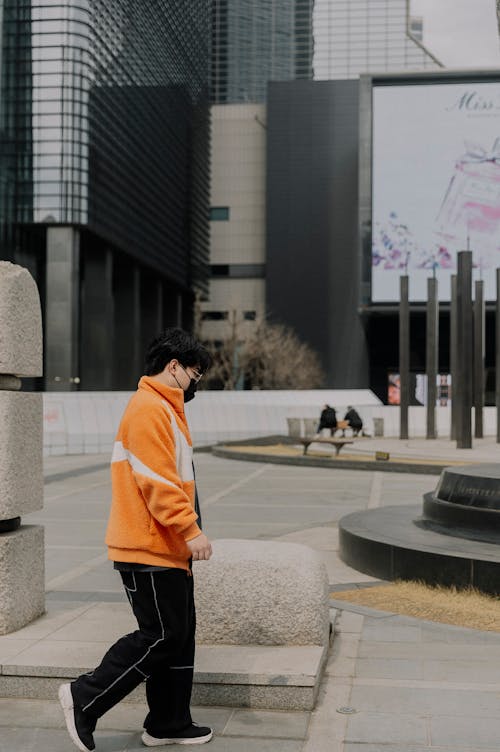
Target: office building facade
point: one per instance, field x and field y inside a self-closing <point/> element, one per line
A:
<point x="256" y="41"/>
<point x="310" y="266"/>
<point x="352" y="37"/>
<point x="237" y="220"/>
<point x="253" y="42"/>
<point x="105" y="188"/>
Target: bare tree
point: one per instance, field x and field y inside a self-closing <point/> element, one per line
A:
<point x="263" y="356"/>
<point x="275" y="358"/>
<point x="227" y="369"/>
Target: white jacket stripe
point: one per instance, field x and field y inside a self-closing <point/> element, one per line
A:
<point x="120" y="454"/>
<point x="183" y="452"/>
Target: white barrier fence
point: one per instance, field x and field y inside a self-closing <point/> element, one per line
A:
<point x="86" y="422"/>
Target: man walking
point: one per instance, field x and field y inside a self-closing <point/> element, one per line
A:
<point x="152" y="537"/>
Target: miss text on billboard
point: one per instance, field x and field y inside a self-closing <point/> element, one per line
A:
<point x="435" y="185"/>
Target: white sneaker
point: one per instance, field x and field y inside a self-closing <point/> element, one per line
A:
<point x="80" y="728"/>
<point x="193" y="734"/>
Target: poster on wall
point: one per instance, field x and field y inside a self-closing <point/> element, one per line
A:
<point x="418" y="389"/>
<point x="435" y="185"/>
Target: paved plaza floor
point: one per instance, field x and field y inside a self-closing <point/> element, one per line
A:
<point x="412" y="686"/>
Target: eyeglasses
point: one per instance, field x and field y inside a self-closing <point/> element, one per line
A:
<point x="196" y="374"/>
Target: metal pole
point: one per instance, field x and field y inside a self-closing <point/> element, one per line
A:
<point x="404" y="356"/>
<point x="497" y="356"/>
<point x="431" y="358"/>
<point x="453" y="356"/>
<point x="479" y="325"/>
<point x="464" y="350"/>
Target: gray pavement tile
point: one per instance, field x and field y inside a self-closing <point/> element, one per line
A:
<point x="464" y="732"/>
<point x="452" y="634"/>
<point x="350" y="623"/>
<point x="247" y="531"/>
<point x="345" y="644"/>
<point x="302" y="515"/>
<point x="101" y="577"/>
<point x="55" y="740"/>
<point x="114" y="741"/>
<point x="266" y="723"/>
<point x="387" y="728"/>
<point x="54" y="654"/>
<point x="57" y="474"/>
<point x="215" y="717"/>
<point x="363" y="747"/>
<point x="16" y="713"/>
<point x="86" y="595"/>
<point x="357" y="609"/>
<point x="229" y="744"/>
<point x="10" y="647"/>
<point x="62" y="559"/>
<point x="431" y="651"/>
<point x="389" y="668"/>
<point x="419" y="701"/>
<point x="90" y="533"/>
<point x="104" y="621"/>
<point x="55" y="616"/>
<point x="383" y="631"/>
<point x="480" y="672"/>
<point x="17" y="739"/>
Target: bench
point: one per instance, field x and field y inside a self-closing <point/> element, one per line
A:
<point x="343" y="426"/>
<point x="308" y="426"/>
<point x="337" y="443"/>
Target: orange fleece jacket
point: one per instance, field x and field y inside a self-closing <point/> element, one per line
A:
<point x="152" y="510"/>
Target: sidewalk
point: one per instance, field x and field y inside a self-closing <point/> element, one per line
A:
<point x="414" y="686"/>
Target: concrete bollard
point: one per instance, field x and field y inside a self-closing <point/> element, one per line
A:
<point x="294" y="426"/>
<point x="310" y="426"/>
<point x="22" y="586"/>
<point x="262" y="593"/>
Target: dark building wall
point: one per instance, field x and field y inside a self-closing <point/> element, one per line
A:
<point x="312" y="222"/>
<point x="105" y="161"/>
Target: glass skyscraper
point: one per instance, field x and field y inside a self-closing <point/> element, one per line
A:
<point x="352" y="37"/>
<point x="256" y="41"/>
<point x="104" y="118"/>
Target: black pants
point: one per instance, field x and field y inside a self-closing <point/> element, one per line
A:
<point x="161" y="652"/>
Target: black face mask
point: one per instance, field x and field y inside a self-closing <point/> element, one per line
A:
<point x="190" y="392"/>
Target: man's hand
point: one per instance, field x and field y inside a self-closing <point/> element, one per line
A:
<point x="200" y="547"/>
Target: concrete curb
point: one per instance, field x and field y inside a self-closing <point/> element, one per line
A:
<point x="274" y="677"/>
<point x="420" y="468"/>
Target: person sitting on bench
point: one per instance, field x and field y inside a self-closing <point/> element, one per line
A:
<point x="328" y="419"/>
<point x="354" y="420"/>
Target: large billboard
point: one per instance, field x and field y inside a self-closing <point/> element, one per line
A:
<point x="435" y="184"/>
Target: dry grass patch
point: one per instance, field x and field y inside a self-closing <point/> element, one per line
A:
<point x="463" y="608"/>
<point x="272" y="449"/>
<point x="293" y="450"/>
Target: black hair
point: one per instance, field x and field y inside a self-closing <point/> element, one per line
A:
<point x="175" y="343"/>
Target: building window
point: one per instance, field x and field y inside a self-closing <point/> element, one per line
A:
<point x="219" y="214"/>
<point x="214" y="316"/>
<point x="238" y="271"/>
<point x="417" y="27"/>
<point x="249" y="315"/>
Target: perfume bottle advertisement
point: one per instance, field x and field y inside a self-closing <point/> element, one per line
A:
<point x="435" y="185"/>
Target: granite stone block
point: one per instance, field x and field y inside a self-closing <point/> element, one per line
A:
<point x="22" y="586"/>
<point x="20" y="322"/>
<point x="21" y="456"/>
<point x="262" y="593"/>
